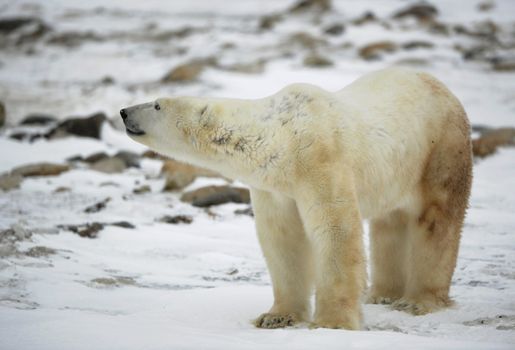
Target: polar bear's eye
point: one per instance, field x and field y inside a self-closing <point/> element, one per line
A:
<point x="157" y="107"/>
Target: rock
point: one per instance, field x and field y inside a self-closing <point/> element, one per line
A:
<point x="439" y="28"/>
<point x="305" y="6"/>
<point x="179" y="175"/>
<point x="109" y="165"/>
<point x="305" y="40"/>
<point x="130" y="159"/>
<point x="485" y="6"/>
<point x="423" y="12"/>
<point x="314" y="60"/>
<point x="40" y="169"/>
<point x="107" y="282"/>
<point x="367" y="17"/>
<point x="374" y="50"/>
<point x="89" y="230"/>
<point x="153" y="155"/>
<point x="40" y="252"/>
<point x="86" y="127"/>
<point x="187" y="72"/>
<point x="482" y="30"/>
<point x="10" y="181"/>
<point x="92" y="158"/>
<point x="247" y="211"/>
<point x="22" y="30"/>
<point x="503" y="64"/>
<point x="107" y="80"/>
<point x="256" y="67"/>
<point x="141" y="189"/>
<point x="490" y="140"/>
<point x="38" y="119"/>
<point x="95" y="208"/>
<point x="215" y="195"/>
<point x="335" y="29"/>
<point x="72" y="39"/>
<point x="414" y="62"/>
<point x="2" y="114"/>
<point x="9" y="25"/>
<point x="122" y="224"/>
<point x="269" y="21"/>
<point x="62" y="189"/>
<point x="176" y="219"/>
<point x="417" y="44"/>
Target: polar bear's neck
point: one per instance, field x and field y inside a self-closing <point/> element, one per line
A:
<point x="235" y="137"/>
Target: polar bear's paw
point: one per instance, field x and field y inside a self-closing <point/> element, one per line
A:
<point x="270" y="321"/>
<point x="421" y="306"/>
<point x="378" y="299"/>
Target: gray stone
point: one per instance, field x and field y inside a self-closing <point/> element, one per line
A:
<point x="10" y="181"/>
<point x="40" y="169"/>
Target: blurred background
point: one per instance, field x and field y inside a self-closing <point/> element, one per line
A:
<point x="67" y="58"/>
<point x="104" y="242"/>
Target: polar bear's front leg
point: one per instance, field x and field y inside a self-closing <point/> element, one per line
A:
<point x="288" y="256"/>
<point x="332" y="221"/>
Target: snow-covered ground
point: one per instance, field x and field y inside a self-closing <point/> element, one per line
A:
<point x="198" y="286"/>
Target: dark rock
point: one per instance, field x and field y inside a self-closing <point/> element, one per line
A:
<point x="73" y="39"/>
<point x="122" y="224"/>
<point x="335" y="29"/>
<point x="40" y="251"/>
<point x="2" y="114"/>
<point x="215" y="195"/>
<point x="269" y="21"/>
<point x="481" y="30"/>
<point x="176" y="219"/>
<point x="95" y="208"/>
<point x="417" y="44"/>
<point x="503" y="64"/>
<point x="40" y="169"/>
<point x="141" y="189"/>
<point x="423" y="12"/>
<point x="89" y="230"/>
<point x="189" y="71"/>
<point x="86" y="127"/>
<point x="95" y="157"/>
<point x="38" y="119"/>
<point x="490" y="140"/>
<point x="107" y="80"/>
<point x="439" y="28"/>
<point x="305" y="6"/>
<point x="374" y="50"/>
<point x="9" y="25"/>
<point x="10" y="181"/>
<point x="109" y="165"/>
<point x="247" y="211"/>
<point x="314" y="60"/>
<point x="305" y="40"/>
<point x="62" y="189"/>
<point x="485" y="6"/>
<point x="367" y="17"/>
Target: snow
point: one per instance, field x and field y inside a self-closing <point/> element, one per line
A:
<point x="199" y="286"/>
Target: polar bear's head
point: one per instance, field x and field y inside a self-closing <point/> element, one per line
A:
<point x="177" y="127"/>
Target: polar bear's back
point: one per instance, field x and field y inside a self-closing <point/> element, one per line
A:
<point x="397" y="117"/>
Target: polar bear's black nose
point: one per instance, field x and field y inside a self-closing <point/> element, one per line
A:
<point x="123" y="114"/>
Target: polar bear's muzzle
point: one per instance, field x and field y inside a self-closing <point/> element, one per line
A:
<point x="132" y="127"/>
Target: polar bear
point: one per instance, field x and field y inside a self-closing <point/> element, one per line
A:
<point x="393" y="147"/>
